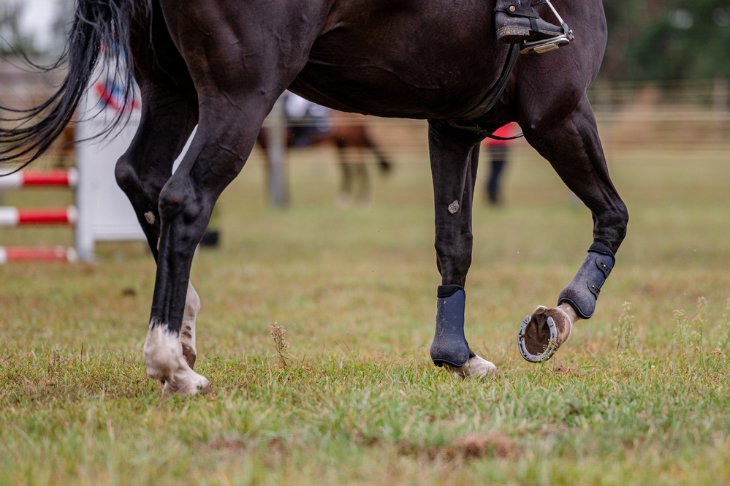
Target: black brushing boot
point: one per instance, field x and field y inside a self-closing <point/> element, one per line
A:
<point x="449" y="348"/>
<point x="449" y="345"/>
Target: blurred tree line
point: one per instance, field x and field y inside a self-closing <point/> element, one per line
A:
<point x="667" y="40"/>
<point x="650" y="40"/>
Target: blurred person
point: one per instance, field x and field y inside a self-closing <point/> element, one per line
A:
<point x="306" y="120"/>
<point x="310" y="124"/>
<point x="498" y="150"/>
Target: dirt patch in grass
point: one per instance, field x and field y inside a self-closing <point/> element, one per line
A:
<point x="468" y="448"/>
<point x="227" y="445"/>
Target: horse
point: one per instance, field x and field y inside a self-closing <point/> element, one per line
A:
<point x="352" y="140"/>
<point x="222" y="64"/>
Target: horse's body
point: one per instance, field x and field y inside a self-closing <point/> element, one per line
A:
<point x="352" y="140"/>
<point x="222" y="64"/>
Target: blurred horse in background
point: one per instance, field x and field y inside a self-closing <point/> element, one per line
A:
<point x="309" y="125"/>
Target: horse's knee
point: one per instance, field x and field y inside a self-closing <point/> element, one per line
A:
<point x="181" y="206"/>
<point x="179" y="197"/>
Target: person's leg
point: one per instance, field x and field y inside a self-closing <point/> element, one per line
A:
<point x="498" y="161"/>
<point x="517" y="21"/>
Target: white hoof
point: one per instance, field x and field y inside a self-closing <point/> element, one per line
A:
<point x="164" y="359"/>
<point x="186" y="383"/>
<point x="476" y="367"/>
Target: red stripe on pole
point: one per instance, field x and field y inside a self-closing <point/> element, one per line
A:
<point x="44" y="216"/>
<point x="54" y="254"/>
<point x="47" y="178"/>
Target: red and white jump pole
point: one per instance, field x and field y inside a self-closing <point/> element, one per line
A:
<point x="51" y="178"/>
<point x="12" y="217"/>
<point x="102" y="211"/>
<point x="26" y="254"/>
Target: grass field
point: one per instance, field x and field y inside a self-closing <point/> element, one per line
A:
<point x="639" y="395"/>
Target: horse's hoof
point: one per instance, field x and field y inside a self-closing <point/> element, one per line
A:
<point x="187" y="384"/>
<point x="542" y="333"/>
<point x="476" y="367"/>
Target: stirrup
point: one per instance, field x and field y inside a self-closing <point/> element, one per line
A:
<point x="553" y="43"/>
<point x="546" y="45"/>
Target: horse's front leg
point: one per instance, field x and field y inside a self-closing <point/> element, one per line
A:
<point x="238" y="72"/>
<point x="186" y="203"/>
<point x="169" y="114"/>
<point x="142" y="172"/>
<point x="454" y="158"/>
<point x="574" y="149"/>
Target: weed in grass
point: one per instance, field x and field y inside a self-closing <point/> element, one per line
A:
<point x="725" y="324"/>
<point x="699" y="323"/>
<point x="624" y="331"/>
<point x="689" y="331"/>
<point x="278" y="335"/>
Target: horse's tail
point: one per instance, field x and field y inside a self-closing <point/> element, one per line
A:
<point x="99" y="25"/>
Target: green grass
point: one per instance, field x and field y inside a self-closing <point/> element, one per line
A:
<point x="639" y="395"/>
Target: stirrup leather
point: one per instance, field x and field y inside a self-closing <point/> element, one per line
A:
<point x="553" y="43"/>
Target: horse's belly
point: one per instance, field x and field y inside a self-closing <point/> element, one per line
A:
<point x="379" y="92"/>
<point x="417" y="59"/>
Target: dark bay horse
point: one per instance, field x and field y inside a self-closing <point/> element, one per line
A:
<point x="222" y="64"/>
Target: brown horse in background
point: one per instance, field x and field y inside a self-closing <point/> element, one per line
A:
<point x="349" y="134"/>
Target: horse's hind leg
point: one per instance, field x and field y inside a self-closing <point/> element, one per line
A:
<point x="574" y="149"/>
<point x="384" y="164"/>
<point x="362" y="176"/>
<point x="346" y="192"/>
<point x="454" y="158"/>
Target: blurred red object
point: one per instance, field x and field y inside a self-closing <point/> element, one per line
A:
<point x="509" y="130"/>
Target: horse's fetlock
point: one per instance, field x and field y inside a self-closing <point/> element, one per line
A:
<point x="162" y="351"/>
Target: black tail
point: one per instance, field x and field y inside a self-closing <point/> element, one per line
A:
<point x="99" y="25"/>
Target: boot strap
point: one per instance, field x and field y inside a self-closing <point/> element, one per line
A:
<point x="516" y="9"/>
